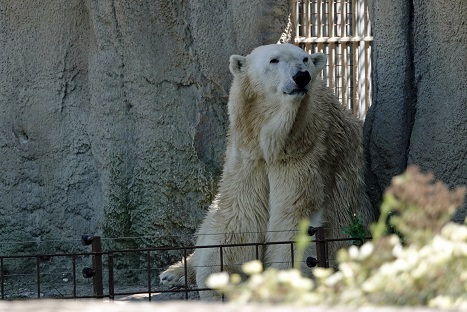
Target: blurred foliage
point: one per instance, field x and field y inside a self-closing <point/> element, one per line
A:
<point x="429" y="269"/>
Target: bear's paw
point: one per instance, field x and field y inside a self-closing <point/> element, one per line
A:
<point x="172" y="277"/>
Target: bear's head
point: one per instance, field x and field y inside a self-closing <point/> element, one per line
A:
<point x="278" y="70"/>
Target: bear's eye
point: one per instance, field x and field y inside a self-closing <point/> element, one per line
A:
<point x="274" y="61"/>
<point x="305" y="60"/>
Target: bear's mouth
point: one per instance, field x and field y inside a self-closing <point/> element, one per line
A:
<point x="299" y="91"/>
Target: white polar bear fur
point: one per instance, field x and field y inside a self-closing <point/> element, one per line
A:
<point x="290" y="155"/>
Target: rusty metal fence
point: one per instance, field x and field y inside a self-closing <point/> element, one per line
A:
<point x="92" y="274"/>
<point x="341" y="29"/>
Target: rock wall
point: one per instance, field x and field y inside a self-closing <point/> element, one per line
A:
<point x="113" y="115"/>
<point x="419" y="111"/>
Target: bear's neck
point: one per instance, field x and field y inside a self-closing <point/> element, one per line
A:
<point x="265" y="126"/>
<point x="276" y="126"/>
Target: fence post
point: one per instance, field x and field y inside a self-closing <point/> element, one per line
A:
<point x="73" y="263"/>
<point x="2" y="290"/>
<point x="321" y="249"/>
<point x="97" y="266"/>
<point x="110" y="263"/>
<point x="38" y="277"/>
<point x="148" y="268"/>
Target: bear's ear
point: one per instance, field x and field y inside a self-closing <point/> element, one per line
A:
<point x="237" y="64"/>
<point x="319" y="60"/>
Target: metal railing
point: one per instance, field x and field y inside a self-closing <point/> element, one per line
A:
<point x="100" y="276"/>
<point x="342" y="30"/>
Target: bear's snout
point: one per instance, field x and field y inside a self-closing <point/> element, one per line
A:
<point x="302" y="78"/>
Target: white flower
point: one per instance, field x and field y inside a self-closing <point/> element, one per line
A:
<point x="374" y="283"/>
<point x="288" y="276"/>
<point x="394" y="240"/>
<point x="366" y="250"/>
<point x="455" y="232"/>
<point x="346" y="269"/>
<point x="442" y="302"/>
<point x="420" y="270"/>
<point x="252" y="267"/>
<point x="321" y="273"/>
<point x="255" y="281"/>
<point x="302" y="283"/>
<point x="334" y="279"/>
<point x="353" y="252"/>
<point x="218" y="280"/>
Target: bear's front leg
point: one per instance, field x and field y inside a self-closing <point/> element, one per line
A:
<point x="294" y="196"/>
<point x="238" y="215"/>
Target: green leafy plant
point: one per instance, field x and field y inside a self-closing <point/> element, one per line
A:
<point x="357" y="230"/>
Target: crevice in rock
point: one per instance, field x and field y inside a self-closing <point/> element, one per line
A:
<point x="411" y="91"/>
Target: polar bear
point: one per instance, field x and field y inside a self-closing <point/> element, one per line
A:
<point x="292" y="153"/>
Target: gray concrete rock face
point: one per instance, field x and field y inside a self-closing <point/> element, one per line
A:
<point x="113" y="116"/>
<point x="419" y="112"/>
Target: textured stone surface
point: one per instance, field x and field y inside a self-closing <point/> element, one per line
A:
<point x="419" y="112"/>
<point x="112" y="115"/>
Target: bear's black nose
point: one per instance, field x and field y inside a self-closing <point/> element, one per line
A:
<point x="302" y="78"/>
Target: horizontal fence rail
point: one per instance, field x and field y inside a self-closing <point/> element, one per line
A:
<point x="98" y="280"/>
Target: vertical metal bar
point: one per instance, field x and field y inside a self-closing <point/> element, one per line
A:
<point x="310" y="18"/>
<point x="221" y="255"/>
<point x="257" y="251"/>
<point x="367" y="33"/>
<point x="319" y="25"/>
<point x="354" y="77"/>
<point x="110" y="264"/>
<point x="305" y="19"/>
<point x="2" y="290"/>
<point x="343" y="18"/>
<point x="367" y="77"/>
<point x="366" y="19"/>
<point x="330" y="18"/>
<point x="299" y="19"/>
<point x="332" y="56"/>
<point x="97" y="266"/>
<point x="73" y="264"/>
<point x="148" y="267"/>
<point x="295" y="17"/>
<point x="38" y="277"/>
<point x="185" y="267"/>
<point x="354" y="18"/>
<point x="343" y="73"/>
<point x="319" y="22"/>
<point x="321" y="249"/>
<point x="292" y="256"/>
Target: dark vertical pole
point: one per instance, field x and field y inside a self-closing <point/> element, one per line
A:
<point x="110" y="264"/>
<point x="292" y="257"/>
<point x="1" y="276"/>
<point x="148" y="259"/>
<point x="73" y="262"/>
<point x="185" y="268"/>
<point x="321" y="249"/>
<point x="221" y="254"/>
<point x="38" y="277"/>
<point x="97" y="266"/>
